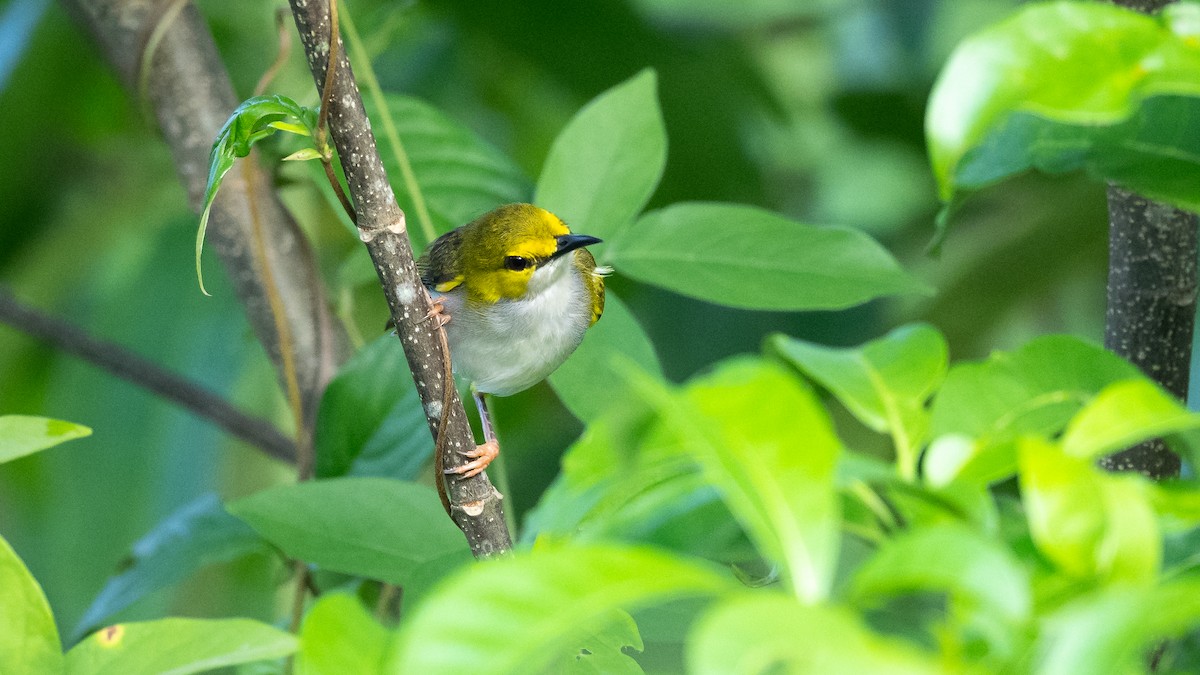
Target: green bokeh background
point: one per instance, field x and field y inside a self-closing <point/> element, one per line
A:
<point x="811" y="108"/>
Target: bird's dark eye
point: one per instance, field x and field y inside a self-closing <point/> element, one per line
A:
<point x="516" y="263"/>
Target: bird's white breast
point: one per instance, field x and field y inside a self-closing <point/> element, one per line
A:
<point x="510" y="346"/>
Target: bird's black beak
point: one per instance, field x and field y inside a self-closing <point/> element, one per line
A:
<point x="570" y="242"/>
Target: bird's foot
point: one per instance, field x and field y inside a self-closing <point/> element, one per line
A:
<point x="481" y="457"/>
<point x="437" y="311"/>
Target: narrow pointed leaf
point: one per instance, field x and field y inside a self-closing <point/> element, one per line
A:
<point x="22" y="435"/>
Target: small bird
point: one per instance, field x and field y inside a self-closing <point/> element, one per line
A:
<point x="515" y="291"/>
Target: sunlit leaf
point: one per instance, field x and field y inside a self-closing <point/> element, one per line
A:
<point x="339" y="636"/>
<point x="606" y="163"/>
<point x="1091" y="524"/>
<point x="885" y="383"/>
<point x="770" y="633"/>
<point x="1069" y="85"/>
<point x="372" y="527"/>
<point x="371" y="421"/>
<point x="539" y="605"/>
<point x="1110" y="630"/>
<point x="22" y="435"/>
<point x="767" y="444"/>
<point x="29" y="642"/>
<point x="200" y="533"/>
<point x="177" y="646"/>
<point x="983" y="407"/>
<point x="589" y="380"/>
<point x="743" y="256"/>
<point x="1125" y="414"/>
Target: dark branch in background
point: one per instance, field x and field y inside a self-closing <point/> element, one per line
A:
<point x="126" y="365"/>
<point x="475" y="505"/>
<point x="1151" y="298"/>
<point x="189" y="91"/>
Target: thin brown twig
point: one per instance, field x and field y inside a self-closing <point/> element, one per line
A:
<point x="125" y="364"/>
<point x="323" y="116"/>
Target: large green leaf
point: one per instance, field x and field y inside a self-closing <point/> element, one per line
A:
<point x="452" y="175"/>
<point x="29" y="641"/>
<point x="339" y="636"/>
<point x="177" y="646"/>
<point x="538" y="606"/>
<point x="22" y="435"/>
<point x="1110" y="631"/>
<point x="1069" y="85"/>
<point x="198" y="534"/>
<point x="372" y="527"/>
<point x="1089" y="523"/>
<point x="767" y="444"/>
<point x="743" y="256"/>
<point x="885" y="383"/>
<point x="371" y="421"/>
<point x="770" y="633"/>
<point x="606" y="163"/>
<point x="983" y="407"/>
<point x="590" y="380"/>
<point x="988" y="588"/>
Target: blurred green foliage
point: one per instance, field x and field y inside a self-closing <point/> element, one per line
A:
<point x="811" y="109"/>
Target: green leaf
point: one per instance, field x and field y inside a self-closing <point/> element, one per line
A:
<point x="767" y="444"/>
<point x="339" y="636"/>
<point x="983" y="407"/>
<point x="626" y="479"/>
<point x="538" y="606"/>
<point x="371" y="421"/>
<point x="1125" y="414"/>
<point x="589" y="381"/>
<point x="988" y="588"/>
<point x="750" y="14"/>
<point x="603" y="167"/>
<point x="455" y="176"/>
<point x="29" y="641"/>
<point x="177" y="646"/>
<point x="1089" y="523"/>
<point x="200" y="533"/>
<point x="770" y="633"/>
<point x="1068" y="85"/>
<point x="255" y="119"/>
<point x="22" y="435"/>
<point x="743" y="256"/>
<point x="602" y="651"/>
<point x="1111" y="630"/>
<point x="884" y="383"/>
<point x="371" y="527"/>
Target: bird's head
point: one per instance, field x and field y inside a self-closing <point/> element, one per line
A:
<point x="515" y="251"/>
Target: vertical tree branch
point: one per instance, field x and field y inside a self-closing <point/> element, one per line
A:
<point x="475" y="504"/>
<point x="1151" y="298"/>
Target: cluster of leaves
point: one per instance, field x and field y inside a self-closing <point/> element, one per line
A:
<point x="1065" y="86"/>
<point x="939" y="567"/>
